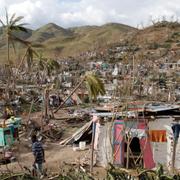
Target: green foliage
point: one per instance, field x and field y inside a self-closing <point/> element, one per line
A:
<point x="166" y="45"/>
<point x="120" y="173"/>
<point x="165" y="23"/>
<point x="94" y="85"/>
<point x="47" y="65"/>
<point x="30" y="53"/>
<point x="175" y="34"/>
<point x="113" y="173"/>
<point x="169" y="41"/>
<point x="17" y="176"/>
<point x="57" y="83"/>
<point x="74" y="176"/>
<point x="154" y="45"/>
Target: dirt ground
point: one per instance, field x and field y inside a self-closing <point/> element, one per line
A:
<point x="56" y="156"/>
<point x="55" y="153"/>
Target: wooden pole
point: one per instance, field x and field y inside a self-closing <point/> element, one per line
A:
<point x="128" y="146"/>
<point x="46" y="103"/>
<point x="70" y="94"/>
<point x="22" y="60"/>
<point x="30" y="109"/>
<point x="174" y="154"/>
<point x="92" y="148"/>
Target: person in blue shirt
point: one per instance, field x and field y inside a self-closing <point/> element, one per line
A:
<point x="38" y="152"/>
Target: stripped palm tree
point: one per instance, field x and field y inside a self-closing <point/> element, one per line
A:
<point x="29" y="55"/>
<point x="51" y="65"/>
<point x="10" y="26"/>
<point x="93" y="84"/>
<point x="48" y="65"/>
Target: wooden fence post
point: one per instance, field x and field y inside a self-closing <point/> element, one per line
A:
<point x="127" y="156"/>
<point x="92" y="147"/>
<point x="174" y="154"/>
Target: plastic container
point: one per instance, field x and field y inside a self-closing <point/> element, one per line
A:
<point x="82" y="145"/>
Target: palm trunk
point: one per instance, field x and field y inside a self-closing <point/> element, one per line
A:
<point x="70" y="94"/>
<point x="9" y="75"/>
<point x="10" y="70"/>
<point x="22" y="61"/>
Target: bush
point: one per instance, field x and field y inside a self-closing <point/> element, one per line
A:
<point x="154" y="45"/>
<point x="175" y="34"/>
<point x="166" y="45"/>
<point x="169" y="41"/>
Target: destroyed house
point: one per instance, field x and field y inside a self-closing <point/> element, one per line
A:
<point x="139" y="138"/>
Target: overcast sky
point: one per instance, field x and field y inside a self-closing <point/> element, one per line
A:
<point x="69" y="13"/>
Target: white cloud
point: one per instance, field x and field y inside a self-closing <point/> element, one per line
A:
<point x="69" y="13"/>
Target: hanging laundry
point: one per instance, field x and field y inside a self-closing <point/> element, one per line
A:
<point x="139" y="133"/>
<point x="157" y="135"/>
<point x="147" y="153"/>
<point x="176" y="131"/>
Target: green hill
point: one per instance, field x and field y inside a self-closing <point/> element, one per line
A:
<point x="84" y="38"/>
<point x="65" y="42"/>
<point x="47" y="32"/>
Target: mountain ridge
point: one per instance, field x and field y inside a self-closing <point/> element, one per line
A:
<point x="71" y="41"/>
<point x="62" y="42"/>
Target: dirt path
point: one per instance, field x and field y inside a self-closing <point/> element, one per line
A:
<point x="56" y="155"/>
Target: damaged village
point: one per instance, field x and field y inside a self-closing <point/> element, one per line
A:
<point x="91" y="102"/>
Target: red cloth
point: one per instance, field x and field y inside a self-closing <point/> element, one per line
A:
<point x="147" y="153"/>
<point x="158" y="136"/>
<point x="146" y="149"/>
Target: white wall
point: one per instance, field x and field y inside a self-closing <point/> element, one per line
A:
<point x="160" y="149"/>
<point x="104" y="148"/>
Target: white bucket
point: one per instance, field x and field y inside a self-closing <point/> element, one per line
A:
<point x="82" y="145"/>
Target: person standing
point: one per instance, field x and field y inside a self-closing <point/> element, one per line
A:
<point x="39" y="157"/>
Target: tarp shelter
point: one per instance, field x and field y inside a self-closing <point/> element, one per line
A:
<point x="102" y="143"/>
<point x="82" y="134"/>
<point x="131" y="144"/>
<point x="142" y="143"/>
<point x="110" y="144"/>
<point x="150" y="142"/>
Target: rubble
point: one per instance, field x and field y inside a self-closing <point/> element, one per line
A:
<point x="133" y="90"/>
